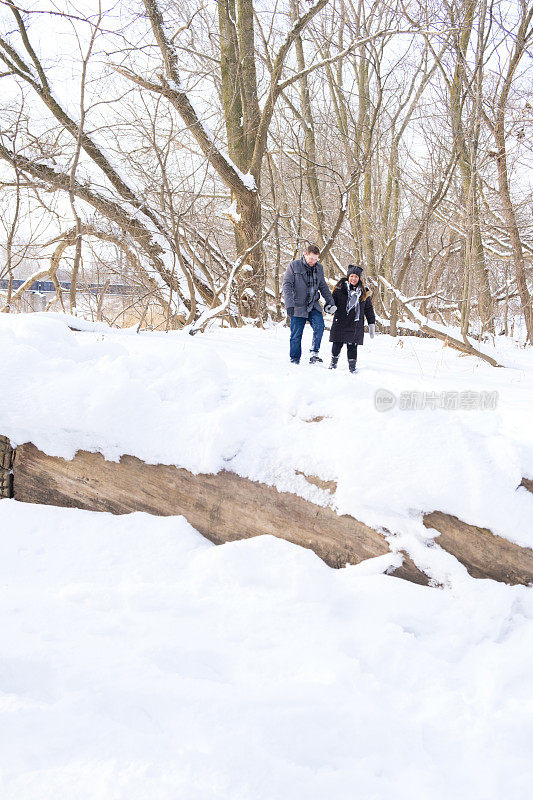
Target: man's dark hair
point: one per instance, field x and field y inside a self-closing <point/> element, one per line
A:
<point x="313" y="248"/>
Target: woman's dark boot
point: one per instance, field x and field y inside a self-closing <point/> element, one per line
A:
<point x="351" y="364"/>
<point x="334" y="360"/>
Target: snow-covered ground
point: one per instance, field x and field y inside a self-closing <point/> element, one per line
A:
<point x="138" y="661"/>
<point x="230" y="399"/>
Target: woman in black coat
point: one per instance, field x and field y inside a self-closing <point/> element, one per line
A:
<point x="353" y="305"/>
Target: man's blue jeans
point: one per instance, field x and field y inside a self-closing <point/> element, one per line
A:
<point x="316" y="320"/>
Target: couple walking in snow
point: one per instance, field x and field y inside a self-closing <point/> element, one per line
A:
<point x="350" y="303"/>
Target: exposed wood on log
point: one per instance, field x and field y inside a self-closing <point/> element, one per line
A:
<point x="484" y="554"/>
<point x="328" y="486"/>
<point x="511" y="564"/>
<point x="6" y="463"/>
<point x="223" y="507"/>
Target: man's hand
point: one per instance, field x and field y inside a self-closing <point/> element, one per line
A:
<point x="372" y="330"/>
<point x="330" y="309"/>
<point x="290" y="311"/>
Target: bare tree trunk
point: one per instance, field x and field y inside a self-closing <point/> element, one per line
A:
<point x="466" y="147"/>
<point x="432" y="203"/>
<point x="77" y="152"/>
<point x="310" y="142"/>
<point x="523" y="38"/>
<point x="9" y="246"/>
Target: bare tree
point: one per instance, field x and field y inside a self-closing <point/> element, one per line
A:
<point x="523" y="38"/>
<point x="364" y="126"/>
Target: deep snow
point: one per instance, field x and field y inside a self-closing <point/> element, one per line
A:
<point x="230" y="399"/>
<point x="139" y="661"/>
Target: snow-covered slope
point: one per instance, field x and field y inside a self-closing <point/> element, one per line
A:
<point x="139" y="661"/>
<point x="230" y="399"/>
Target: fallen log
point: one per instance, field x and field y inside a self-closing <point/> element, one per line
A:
<point x="226" y="507"/>
<point x="6" y="464"/>
<point x="484" y="554"/>
<point x="222" y="507"/>
<point x="415" y="316"/>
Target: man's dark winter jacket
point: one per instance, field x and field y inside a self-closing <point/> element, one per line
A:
<point x="295" y="288"/>
<point x="344" y="327"/>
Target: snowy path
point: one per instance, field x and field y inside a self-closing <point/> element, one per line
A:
<point x="139" y="661"/>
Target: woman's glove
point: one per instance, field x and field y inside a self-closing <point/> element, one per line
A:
<point x="290" y="311"/>
<point x="330" y="309"/>
<point x="372" y="330"/>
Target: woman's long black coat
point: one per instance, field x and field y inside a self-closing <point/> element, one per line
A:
<point x="344" y="327"/>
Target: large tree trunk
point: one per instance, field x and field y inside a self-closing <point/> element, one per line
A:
<point x="225" y="507"/>
<point x="247" y="233"/>
<point x="229" y="73"/>
<point x="242" y="117"/>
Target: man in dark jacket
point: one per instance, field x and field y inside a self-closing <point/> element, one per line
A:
<point x="302" y="283"/>
<point x="353" y="304"/>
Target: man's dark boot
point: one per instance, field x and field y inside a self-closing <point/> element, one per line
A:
<point x="334" y="360"/>
<point x="315" y="358"/>
<point x="351" y="364"/>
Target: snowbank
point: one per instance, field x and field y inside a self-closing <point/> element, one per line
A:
<point x="230" y="399"/>
<point x="139" y="661"/>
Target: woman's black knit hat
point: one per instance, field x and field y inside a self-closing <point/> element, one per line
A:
<point x="353" y="268"/>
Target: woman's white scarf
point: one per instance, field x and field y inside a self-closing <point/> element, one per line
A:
<point x="353" y="300"/>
